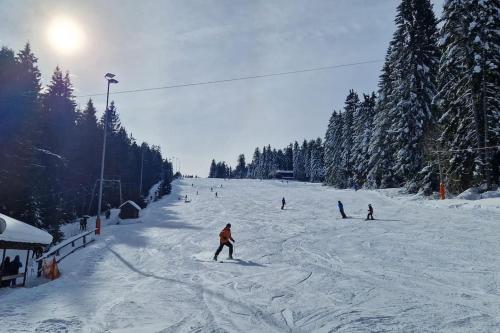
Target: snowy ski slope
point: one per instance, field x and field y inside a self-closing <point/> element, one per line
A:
<point x="420" y="267"/>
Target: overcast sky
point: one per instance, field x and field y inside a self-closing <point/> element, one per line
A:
<point x="160" y="43"/>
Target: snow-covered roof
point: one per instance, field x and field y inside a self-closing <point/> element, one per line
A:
<point x="20" y="232"/>
<point x="132" y="203"/>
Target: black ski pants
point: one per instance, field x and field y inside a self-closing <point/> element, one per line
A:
<point x="370" y="216"/>
<point x="342" y="213"/>
<point x="229" y="245"/>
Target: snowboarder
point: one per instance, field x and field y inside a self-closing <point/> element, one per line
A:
<point x="283" y="203"/>
<point x="225" y="239"/>
<point x="370" y="213"/>
<point x="341" y="208"/>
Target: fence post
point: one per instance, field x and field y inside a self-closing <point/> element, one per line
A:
<point x="39" y="268"/>
<point x="3" y="258"/>
<point x="26" y="268"/>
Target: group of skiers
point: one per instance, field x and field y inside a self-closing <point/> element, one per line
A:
<point x="344" y="216"/>
<point x="10" y="268"/>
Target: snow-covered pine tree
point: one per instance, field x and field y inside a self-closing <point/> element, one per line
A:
<point x="333" y="150"/>
<point x="213" y="169"/>
<point x="414" y="86"/>
<point x="317" y="165"/>
<point x="256" y="163"/>
<point x="240" y="171"/>
<point x="347" y="160"/>
<point x="298" y="162"/>
<point x="306" y="151"/>
<point x="362" y="130"/>
<point x="379" y="151"/>
<point x="407" y="88"/>
<point x="469" y="86"/>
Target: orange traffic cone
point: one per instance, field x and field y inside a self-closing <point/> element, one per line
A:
<point x="54" y="270"/>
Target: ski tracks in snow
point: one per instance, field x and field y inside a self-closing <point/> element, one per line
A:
<point x="302" y="269"/>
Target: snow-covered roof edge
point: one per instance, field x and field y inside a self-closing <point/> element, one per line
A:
<point x="132" y="203"/>
<point x="20" y="232"/>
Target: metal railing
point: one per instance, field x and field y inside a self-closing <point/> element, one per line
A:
<point x="56" y="251"/>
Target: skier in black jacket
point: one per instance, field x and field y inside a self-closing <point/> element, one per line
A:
<point x="370" y="213"/>
<point x="341" y="209"/>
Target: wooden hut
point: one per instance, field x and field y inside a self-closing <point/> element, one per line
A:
<point x="283" y="174"/>
<point x="16" y="235"/>
<point x="129" y="210"/>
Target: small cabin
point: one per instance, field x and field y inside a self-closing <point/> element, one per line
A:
<point x="283" y="174"/>
<point x="129" y="210"/>
<point x="15" y="238"/>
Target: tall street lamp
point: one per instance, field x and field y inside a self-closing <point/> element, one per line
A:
<point x="110" y="78"/>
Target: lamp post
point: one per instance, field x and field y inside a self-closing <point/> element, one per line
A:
<point x="142" y="167"/>
<point x="110" y="78"/>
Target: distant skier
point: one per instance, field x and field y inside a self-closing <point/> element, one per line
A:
<point x="370" y="213"/>
<point x="196" y="192"/>
<point x="211" y="189"/>
<point x="216" y="195"/>
<point x="283" y="203"/>
<point x="341" y="208"/>
<point x="108" y="211"/>
<point x="225" y="238"/>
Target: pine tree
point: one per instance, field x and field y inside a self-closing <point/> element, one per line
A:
<point x="213" y="170"/>
<point x="407" y="89"/>
<point x="469" y="86"/>
<point x="240" y="171"/>
<point x="334" y="174"/>
<point x="317" y="163"/>
<point x="347" y="156"/>
<point x="362" y="130"/>
<point x="298" y="162"/>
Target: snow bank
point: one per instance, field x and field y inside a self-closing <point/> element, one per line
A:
<point x="473" y="194"/>
<point x="17" y="231"/>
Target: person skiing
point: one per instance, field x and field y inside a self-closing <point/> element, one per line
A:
<point x="216" y="195"/>
<point x="225" y="238"/>
<point x="283" y="203"/>
<point x="341" y="208"/>
<point x="370" y="213"/>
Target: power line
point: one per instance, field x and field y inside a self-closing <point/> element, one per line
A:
<point x="314" y="69"/>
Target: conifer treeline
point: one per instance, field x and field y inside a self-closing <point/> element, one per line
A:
<point x="50" y="151"/>
<point x="437" y="106"/>
<point x="306" y="161"/>
<point x="437" y="110"/>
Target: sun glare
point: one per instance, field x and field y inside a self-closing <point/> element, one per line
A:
<point x="65" y="35"/>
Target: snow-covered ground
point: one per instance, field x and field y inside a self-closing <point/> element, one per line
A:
<point x="421" y="266"/>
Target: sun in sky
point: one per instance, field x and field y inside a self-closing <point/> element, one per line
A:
<point x="65" y="35"/>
